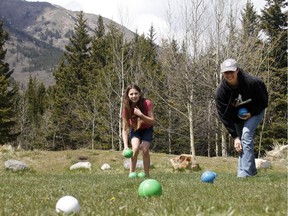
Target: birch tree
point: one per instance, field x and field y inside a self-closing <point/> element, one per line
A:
<point x="191" y="22"/>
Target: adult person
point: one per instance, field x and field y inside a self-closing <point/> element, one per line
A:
<point x="138" y="120"/>
<point x="238" y="89"/>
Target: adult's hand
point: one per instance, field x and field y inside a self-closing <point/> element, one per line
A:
<point x="237" y="145"/>
<point x="245" y="116"/>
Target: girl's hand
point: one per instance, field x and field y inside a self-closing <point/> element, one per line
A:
<point x="138" y="112"/>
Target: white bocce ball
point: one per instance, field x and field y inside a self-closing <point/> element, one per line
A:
<point x="67" y="205"/>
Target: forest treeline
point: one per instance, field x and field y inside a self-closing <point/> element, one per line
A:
<point x="83" y="108"/>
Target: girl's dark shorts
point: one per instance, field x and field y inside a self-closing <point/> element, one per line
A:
<point x="145" y="134"/>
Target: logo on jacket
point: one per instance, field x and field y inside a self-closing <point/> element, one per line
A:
<point x="238" y="101"/>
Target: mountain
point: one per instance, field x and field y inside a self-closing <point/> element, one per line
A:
<point x="38" y="34"/>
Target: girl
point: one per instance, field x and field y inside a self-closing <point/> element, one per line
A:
<point x="138" y="121"/>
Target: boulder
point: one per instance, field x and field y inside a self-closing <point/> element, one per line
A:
<point x="184" y="162"/>
<point x="262" y="163"/>
<point x="81" y="165"/>
<point x="278" y="152"/>
<point x="105" y="166"/>
<point x="15" y="165"/>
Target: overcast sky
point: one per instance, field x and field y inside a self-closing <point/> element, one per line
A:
<point x="136" y="14"/>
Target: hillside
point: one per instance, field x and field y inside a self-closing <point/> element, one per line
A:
<point x="39" y="32"/>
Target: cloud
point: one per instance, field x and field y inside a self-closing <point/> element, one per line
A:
<point x="73" y="4"/>
<point x="135" y="14"/>
<point x="144" y="22"/>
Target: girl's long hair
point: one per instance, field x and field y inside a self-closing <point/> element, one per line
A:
<point x="127" y="105"/>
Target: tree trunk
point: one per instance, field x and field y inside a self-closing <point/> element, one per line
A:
<point x="223" y="141"/>
<point x="169" y="131"/>
<point x="191" y="129"/>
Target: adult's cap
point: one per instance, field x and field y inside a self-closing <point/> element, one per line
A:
<point x="229" y="65"/>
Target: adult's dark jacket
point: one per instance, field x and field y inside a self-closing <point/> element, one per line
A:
<point x="251" y="93"/>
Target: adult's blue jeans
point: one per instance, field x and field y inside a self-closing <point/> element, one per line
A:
<point x="245" y="131"/>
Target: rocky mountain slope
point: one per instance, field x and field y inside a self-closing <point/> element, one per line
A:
<point x="38" y="34"/>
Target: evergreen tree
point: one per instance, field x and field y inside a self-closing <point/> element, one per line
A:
<point x="71" y="89"/>
<point x="30" y="94"/>
<point x="41" y="99"/>
<point x="274" y="25"/>
<point x="251" y="47"/>
<point x="36" y="98"/>
<point x="60" y="109"/>
<point x="145" y="65"/>
<point x="100" y="29"/>
<point x="77" y="53"/>
<point x="96" y="101"/>
<point x="250" y="21"/>
<point x="7" y="95"/>
<point x="99" y="49"/>
<point x="34" y="102"/>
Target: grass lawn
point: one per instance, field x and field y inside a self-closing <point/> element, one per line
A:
<point x="111" y="192"/>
